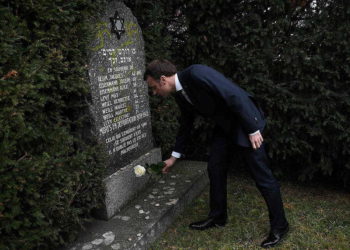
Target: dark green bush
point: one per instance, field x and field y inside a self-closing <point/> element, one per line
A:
<point x="51" y="166"/>
<point x="293" y="55"/>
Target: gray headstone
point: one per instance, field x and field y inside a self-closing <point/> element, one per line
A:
<point x="120" y="104"/>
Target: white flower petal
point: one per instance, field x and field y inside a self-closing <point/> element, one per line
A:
<point x="139" y="170"/>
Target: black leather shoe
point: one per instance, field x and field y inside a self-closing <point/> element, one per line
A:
<point x="275" y="237"/>
<point x="208" y="223"/>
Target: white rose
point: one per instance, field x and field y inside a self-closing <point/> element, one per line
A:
<point x="139" y="170"/>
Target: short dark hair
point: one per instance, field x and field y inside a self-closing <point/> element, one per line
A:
<point x="158" y="68"/>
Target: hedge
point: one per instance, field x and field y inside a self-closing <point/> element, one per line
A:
<point x="51" y="165"/>
<point x="292" y="55"/>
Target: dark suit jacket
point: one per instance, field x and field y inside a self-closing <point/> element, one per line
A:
<point x="214" y="96"/>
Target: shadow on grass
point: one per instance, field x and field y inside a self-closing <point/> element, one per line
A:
<point x="319" y="219"/>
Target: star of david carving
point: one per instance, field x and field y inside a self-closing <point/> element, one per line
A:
<point x="117" y="24"/>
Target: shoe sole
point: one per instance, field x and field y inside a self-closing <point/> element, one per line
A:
<point x="282" y="239"/>
<point x="202" y="229"/>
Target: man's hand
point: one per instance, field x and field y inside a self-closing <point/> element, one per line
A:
<point x="256" y="140"/>
<point x="168" y="164"/>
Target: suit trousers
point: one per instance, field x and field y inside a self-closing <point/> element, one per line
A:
<point x="257" y="162"/>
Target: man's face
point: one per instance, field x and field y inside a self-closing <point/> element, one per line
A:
<point x="161" y="87"/>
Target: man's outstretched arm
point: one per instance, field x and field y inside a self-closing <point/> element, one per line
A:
<point x="186" y="124"/>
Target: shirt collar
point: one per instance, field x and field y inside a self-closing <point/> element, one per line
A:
<point x="178" y="85"/>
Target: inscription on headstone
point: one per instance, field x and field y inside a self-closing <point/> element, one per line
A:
<point x="120" y="103"/>
<point x="120" y="96"/>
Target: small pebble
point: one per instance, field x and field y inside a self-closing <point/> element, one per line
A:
<point x="137" y="206"/>
<point x="87" y="247"/>
<point x="109" y="238"/>
<point x="125" y="218"/>
<point x="172" y="202"/>
<point x="141" y="211"/>
<point x="97" y="241"/>
<point x="157" y="205"/>
<point x="173" y="183"/>
<point x="147" y="217"/>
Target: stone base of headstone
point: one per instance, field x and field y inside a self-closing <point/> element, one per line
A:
<point x="123" y="185"/>
<point x="145" y="218"/>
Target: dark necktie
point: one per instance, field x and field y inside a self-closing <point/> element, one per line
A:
<point x="183" y="93"/>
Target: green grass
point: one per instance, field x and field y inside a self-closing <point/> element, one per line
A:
<point x="319" y="219"/>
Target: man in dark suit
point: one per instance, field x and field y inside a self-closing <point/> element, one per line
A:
<point x="202" y="90"/>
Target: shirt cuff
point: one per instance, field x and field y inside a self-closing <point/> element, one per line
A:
<point x="256" y="132"/>
<point x="176" y="154"/>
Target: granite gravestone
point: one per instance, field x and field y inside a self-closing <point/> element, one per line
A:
<point x="120" y="104"/>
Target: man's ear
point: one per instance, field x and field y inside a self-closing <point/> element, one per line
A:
<point x="162" y="80"/>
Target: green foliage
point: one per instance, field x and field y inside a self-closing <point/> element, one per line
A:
<point x="155" y="168"/>
<point x="295" y="59"/>
<point x="51" y="166"/>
